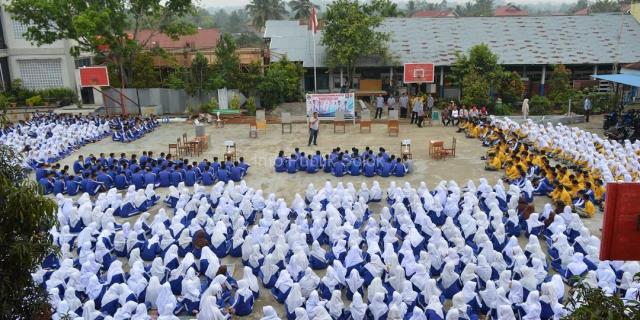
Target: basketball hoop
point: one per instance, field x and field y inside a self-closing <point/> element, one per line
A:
<point x="97" y="76"/>
<point x="419" y="72"/>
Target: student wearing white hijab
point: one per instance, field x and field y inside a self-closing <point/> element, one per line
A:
<point x="531" y="307"/>
<point x="435" y="309"/>
<point x="606" y="278"/>
<point x="449" y="280"/>
<point x="577" y="267"/>
<point x="377" y="307"/>
<point x="244" y="299"/>
<point x="465" y="311"/>
<point x="165" y="300"/>
<point x="141" y="313"/>
<point x="374" y="268"/>
<point x="505" y="312"/>
<point x="269" y="313"/>
<point x="354" y="283"/>
<point x="282" y="286"/>
<point x="328" y="283"/>
<point x="358" y="309"/>
<point x="269" y="271"/>
<point x="191" y="287"/>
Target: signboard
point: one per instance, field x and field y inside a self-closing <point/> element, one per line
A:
<point x="419" y="73"/>
<point x="94" y="77"/>
<point x="621" y="223"/>
<point x="326" y="104"/>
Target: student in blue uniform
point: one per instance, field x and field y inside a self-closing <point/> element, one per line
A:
<point x="223" y="174"/>
<point x="399" y="170"/>
<point x="189" y="177"/>
<point x="237" y="172"/>
<point x="208" y="178"/>
<point x="386" y="168"/>
<point x="164" y="178"/>
<point x="73" y="187"/>
<point x="105" y="179"/>
<point x="327" y="166"/>
<point x="312" y="166"/>
<point x="59" y="186"/>
<point x="137" y="179"/>
<point x="292" y="164"/>
<point x="339" y="168"/>
<point x="354" y="166"/>
<point x="176" y="178"/>
<point x="369" y="168"/>
<point x="302" y="162"/>
<point x="78" y="165"/>
<point x="280" y="162"/>
<point x="149" y="177"/>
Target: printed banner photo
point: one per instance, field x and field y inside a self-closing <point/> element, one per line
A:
<point x="326" y="104"/>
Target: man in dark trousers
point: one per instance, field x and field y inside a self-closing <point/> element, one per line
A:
<point x="314" y="126"/>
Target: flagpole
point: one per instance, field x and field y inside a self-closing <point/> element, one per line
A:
<point x="315" y="79"/>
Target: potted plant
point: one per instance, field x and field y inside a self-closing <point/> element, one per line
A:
<point x="34" y="101"/>
<point x="235" y="102"/>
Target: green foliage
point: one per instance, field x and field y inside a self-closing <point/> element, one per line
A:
<point x="509" y="87"/>
<point x="539" y="105"/>
<point x="606" y="6"/>
<point x="475" y="89"/>
<point x="479" y="8"/>
<point x="251" y="106"/>
<point x="383" y="8"/>
<point x="234" y="22"/>
<point x="502" y="109"/>
<point x="586" y="302"/>
<point x="35" y="101"/>
<point x="145" y="75"/>
<point x="24" y="240"/>
<point x="350" y="33"/>
<point x="108" y="29"/>
<point x="301" y="9"/>
<point x="263" y="10"/>
<point x="198" y="76"/>
<point x="235" y="102"/>
<point x="560" y="86"/>
<point x="176" y="79"/>
<point x="479" y="60"/>
<point x="250" y="79"/>
<point x="281" y="83"/>
<point x="416" y="5"/>
<point x="600" y="102"/>
<point x="227" y="65"/>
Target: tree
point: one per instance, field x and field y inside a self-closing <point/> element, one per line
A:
<point x="110" y="29"/>
<point x="281" y="83"/>
<point x="587" y="302"/>
<point x="24" y="239"/>
<point x="198" y="75"/>
<point x="509" y="87"/>
<point x="227" y="65"/>
<point x="476" y="89"/>
<point x="383" y="8"/>
<point x="263" y="10"/>
<point x="145" y="75"/>
<point x="581" y="4"/>
<point x="479" y="60"/>
<point x="479" y="8"/>
<point x="350" y="33"/>
<point x="606" y="6"/>
<point x="560" y="85"/>
<point x="301" y="9"/>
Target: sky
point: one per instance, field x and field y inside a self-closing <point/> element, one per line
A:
<point x="238" y="3"/>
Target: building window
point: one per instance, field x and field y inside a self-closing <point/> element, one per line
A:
<point x="19" y="29"/>
<point x="83" y="62"/>
<point x="41" y="73"/>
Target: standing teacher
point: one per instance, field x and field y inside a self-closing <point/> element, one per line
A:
<point x="314" y="125"/>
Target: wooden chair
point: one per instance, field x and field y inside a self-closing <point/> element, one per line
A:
<point x="253" y="129"/>
<point x="183" y="149"/>
<point x="173" y="146"/>
<point x="338" y="121"/>
<point x="261" y="121"/>
<point x="393" y="124"/>
<point x="219" y="121"/>
<point x="365" y="120"/>
<point x="448" y="152"/>
<point x="230" y="150"/>
<point x="285" y="120"/>
<point x="434" y="148"/>
<point x="405" y="149"/>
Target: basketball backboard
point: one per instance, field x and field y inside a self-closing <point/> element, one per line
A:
<point x="97" y="76"/>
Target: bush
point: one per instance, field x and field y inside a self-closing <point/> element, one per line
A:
<point x="61" y="96"/>
<point x="35" y="101"/>
<point x="539" y="105"/>
<point x="502" y="109"/>
<point x="251" y="106"/>
<point x="235" y="102"/>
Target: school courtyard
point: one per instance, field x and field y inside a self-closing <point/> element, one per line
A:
<point x="260" y="153"/>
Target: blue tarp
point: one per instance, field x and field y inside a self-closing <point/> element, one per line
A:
<point x="628" y="79"/>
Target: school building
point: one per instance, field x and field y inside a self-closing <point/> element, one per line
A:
<point x="587" y="45"/>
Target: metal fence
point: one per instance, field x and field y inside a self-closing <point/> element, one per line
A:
<point x="168" y="101"/>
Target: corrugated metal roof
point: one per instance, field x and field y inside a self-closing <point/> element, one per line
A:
<point x="516" y="40"/>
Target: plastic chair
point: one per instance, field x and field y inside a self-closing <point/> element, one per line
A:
<point x="405" y="149"/>
<point x="365" y="120"/>
<point x="285" y="120"/>
<point x="338" y="121"/>
<point x="261" y="120"/>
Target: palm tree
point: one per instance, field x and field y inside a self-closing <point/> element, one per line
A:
<point x="302" y="8"/>
<point x="263" y="10"/>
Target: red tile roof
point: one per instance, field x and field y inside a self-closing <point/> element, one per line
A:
<point x="583" y="12"/>
<point x="634" y="66"/>
<point x="202" y="39"/>
<point x="510" y="11"/>
<point x="432" y="14"/>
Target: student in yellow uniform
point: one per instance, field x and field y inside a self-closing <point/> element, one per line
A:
<point x="565" y="196"/>
<point x="589" y="210"/>
<point x="599" y="191"/>
<point x="493" y="164"/>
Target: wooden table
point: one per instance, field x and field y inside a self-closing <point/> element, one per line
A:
<point x="435" y="146"/>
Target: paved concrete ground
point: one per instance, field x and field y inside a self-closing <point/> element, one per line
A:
<point x="260" y="154"/>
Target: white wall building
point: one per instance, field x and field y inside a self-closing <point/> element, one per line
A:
<point x="39" y="67"/>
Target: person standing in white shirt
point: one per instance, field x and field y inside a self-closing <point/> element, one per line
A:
<point x="314" y="126"/>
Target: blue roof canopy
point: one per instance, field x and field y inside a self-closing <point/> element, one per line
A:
<point x="628" y="79"/>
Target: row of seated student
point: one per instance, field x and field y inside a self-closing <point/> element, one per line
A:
<point x="523" y="163"/>
<point x="99" y="174"/>
<point x="341" y="163"/>
<point x="131" y="129"/>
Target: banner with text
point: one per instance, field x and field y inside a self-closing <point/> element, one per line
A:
<point x="326" y="104"/>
